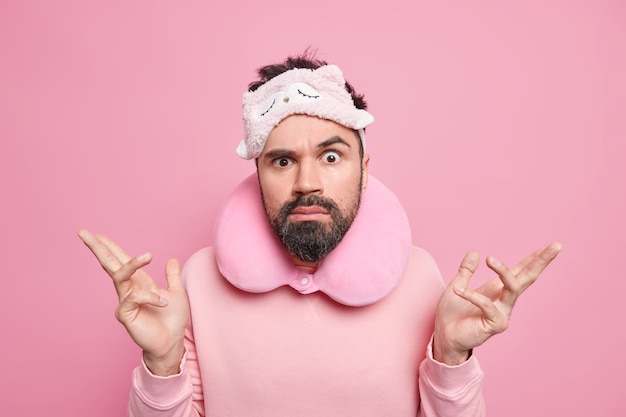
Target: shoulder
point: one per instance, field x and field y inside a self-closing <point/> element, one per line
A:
<point x="199" y="256"/>
<point x="423" y="267"/>
<point x="422" y="258"/>
<point x="200" y="264"/>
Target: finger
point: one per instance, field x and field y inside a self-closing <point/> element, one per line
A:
<point x="135" y="299"/>
<point x="512" y="287"/>
<point x="172" y="274"/>
<point x="539" y="262"/>
<point x="468" y="266"/>
<point x="108" y="260"/>
<point x="114" y="248"/>
<point x="527" y="260"/>
<point x="122" y="276"/>
<point x="494" y="319"/>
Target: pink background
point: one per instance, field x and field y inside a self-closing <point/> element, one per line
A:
<point x="500" y="126"/>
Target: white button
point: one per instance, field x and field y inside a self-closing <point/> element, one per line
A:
<point x="304" y="281"/>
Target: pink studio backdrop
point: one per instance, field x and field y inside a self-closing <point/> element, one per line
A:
<point x="500" y="126"/>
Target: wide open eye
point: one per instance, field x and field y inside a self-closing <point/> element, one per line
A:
<point x="283" y="161"/>
<point x="331" y="157"/>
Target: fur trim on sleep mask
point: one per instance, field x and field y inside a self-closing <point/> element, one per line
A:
<point x="320" y="92"/>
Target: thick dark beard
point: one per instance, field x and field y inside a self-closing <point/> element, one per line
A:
<point x="311" y="241"/>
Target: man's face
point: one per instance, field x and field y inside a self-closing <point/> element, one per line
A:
<point x="311" y="175"/>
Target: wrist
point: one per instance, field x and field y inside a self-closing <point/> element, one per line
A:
<point x="448" y="355"/>
<point x="165" y="365"/>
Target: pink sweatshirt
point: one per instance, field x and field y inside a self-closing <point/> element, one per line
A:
<point x="283" y="354"/>
<point x="292" y="351"/>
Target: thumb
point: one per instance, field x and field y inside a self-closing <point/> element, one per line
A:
<point x="172" y="274"/>
<point x="468" y="266"/>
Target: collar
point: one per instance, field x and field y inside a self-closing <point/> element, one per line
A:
<point x="365" y="266"/>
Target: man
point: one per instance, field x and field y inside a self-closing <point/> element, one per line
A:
<point x="312" y="301"/>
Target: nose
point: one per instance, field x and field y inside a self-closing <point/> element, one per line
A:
<point x="308" y="179"/>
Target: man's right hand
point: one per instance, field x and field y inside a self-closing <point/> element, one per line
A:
<point x="154" y="317"/>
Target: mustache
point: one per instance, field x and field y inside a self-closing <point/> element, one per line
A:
<point x="308" y="201"/>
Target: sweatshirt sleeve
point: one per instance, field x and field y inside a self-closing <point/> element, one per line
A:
<point x="177" y="395"/>
<point x="450" y="391"/>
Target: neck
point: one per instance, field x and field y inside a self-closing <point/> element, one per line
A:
<point x="297" y="262"/>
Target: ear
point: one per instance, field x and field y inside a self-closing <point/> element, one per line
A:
<point x="364" y="166"/>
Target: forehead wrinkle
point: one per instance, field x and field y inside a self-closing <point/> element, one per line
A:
<point x="278" y="152"/>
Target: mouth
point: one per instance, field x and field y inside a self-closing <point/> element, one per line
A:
<point x="308" y="214"/>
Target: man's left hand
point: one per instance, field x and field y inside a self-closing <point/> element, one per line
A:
<point x="466" y="318"/>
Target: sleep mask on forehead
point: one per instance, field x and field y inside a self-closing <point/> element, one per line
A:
<point x="320" y="92"/>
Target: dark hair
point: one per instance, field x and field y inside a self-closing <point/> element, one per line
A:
<point x="305" y="60"/>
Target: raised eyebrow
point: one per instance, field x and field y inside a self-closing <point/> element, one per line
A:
<point x="277" y="153"/>
<point x="332" y="141"/>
